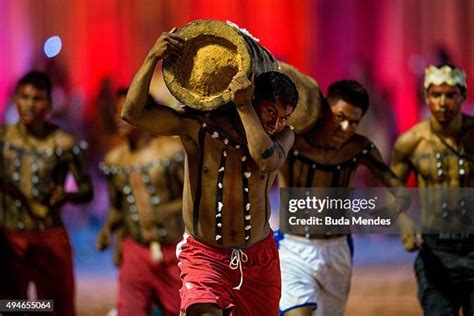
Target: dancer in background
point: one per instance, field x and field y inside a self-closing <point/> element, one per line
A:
<point x="145" y="179"/>
<point x="36" y="157"/>
<point x="440" y="152"/>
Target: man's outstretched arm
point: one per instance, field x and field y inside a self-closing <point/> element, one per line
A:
<point x="157" y="119"/>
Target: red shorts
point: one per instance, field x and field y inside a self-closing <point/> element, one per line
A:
<point x="44" y="258"/>
<point x="143" y="282"/>
<point x="209" y="278"/>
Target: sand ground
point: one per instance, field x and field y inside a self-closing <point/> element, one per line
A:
<point x="376" y="291"/>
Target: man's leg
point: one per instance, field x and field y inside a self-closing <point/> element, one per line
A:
<point x="54" y="276"/>
<point x="298" y="290"/>
<point x="434" y="290"/>
<point x="316" y="273"/>
<point x="135" y="292"/>
<point x="166" y="281"/>
<point x="205" y="286"/>
<point x="14" y="270"/>
<point x="260" y="281"/>
<point x="333" y="276"/>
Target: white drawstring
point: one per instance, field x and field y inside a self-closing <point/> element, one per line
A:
<point x="155" y="252"/>
<point x="236" y="259"/>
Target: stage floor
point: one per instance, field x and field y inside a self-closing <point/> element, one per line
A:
<point x="383" y="281"/>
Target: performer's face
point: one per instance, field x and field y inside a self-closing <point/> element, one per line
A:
<point x="33" y="104"/>
<point x="444" y="102"/>
<point x="273" y="115"/>
<point x="343" y="122"/>
<point x="124" y="129"/>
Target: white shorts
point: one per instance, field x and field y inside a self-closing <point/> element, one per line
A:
<point x="316" y="273"/>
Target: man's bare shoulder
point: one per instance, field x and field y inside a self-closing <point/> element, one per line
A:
<point x="168" y="145"/>
<point x="63" y="139"/>
<point x="359" y="140"/>
<point x="114" y="156"/>
<point x="171" y="142"/>
<point x="354" y="145"/>
<point x="7" y="130"/>
<point x="286" y="134"/>
<point x="408" y="141"/>
<point x="287" y="130"/>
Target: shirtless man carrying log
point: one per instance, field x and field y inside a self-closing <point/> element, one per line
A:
<point x="228" y="258"/>
<point x="317" y="268"/>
